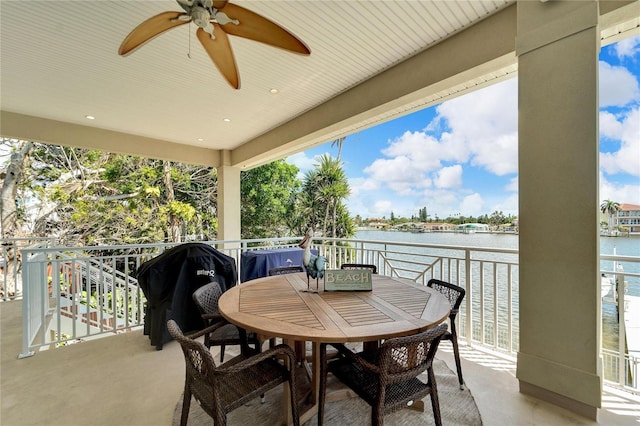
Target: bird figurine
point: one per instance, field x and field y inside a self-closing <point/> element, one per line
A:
<point x="313" y="264"/>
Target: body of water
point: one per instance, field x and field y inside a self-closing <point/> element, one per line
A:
<point x="622" y="246"/>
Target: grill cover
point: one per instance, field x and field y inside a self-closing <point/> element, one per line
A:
<point x="169" y="280"/>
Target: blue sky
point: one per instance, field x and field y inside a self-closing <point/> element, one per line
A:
<point x="460" y="157"/>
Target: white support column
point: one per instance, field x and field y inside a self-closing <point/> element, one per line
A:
<point x="228" y="200"/>
<point x="560" y="306"/>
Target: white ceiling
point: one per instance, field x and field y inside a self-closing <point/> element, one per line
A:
<point x="59" y="61"/>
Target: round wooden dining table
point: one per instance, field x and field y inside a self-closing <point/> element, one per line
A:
<point x="279" y="306"/>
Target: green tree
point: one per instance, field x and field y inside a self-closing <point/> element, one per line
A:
<point x="610" y="208"/>
<point x="344" y="225"/>
<point x="422" y="214"/>
<point x="324" y="189"/>
<point x="10" y="212"/>
<point x="496" y="218"/>
<point x="269" y="201"/>
<point x="90" y="197"/>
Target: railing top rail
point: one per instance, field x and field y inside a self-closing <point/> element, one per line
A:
<point x="276" y="240"/>
<point x="103" y="248"/>
<point x="159" y="245"/>
<point x="619" y="258"/>
<point x="626" y="274"/>
<point x="409" y="244"/>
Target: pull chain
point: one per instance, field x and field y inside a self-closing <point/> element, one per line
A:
<point x="189" y="52"/>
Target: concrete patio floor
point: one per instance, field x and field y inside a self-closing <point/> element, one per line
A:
<point x="123" y="380"/>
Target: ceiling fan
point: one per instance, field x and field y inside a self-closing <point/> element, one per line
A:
<point x="216" y="19"/>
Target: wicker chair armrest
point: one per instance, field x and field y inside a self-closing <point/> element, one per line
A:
<point x="280" y="349"/>
<point x="213" y="317"/>
<point x="207" y="330"/>
<point x="346" y="352"/>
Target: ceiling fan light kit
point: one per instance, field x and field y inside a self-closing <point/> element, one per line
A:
<point x="215" y="20"/>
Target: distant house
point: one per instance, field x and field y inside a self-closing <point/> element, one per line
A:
<point x="628" y="217"/>
<point x="440" y="226"/>
<point x="406" y="226"/>
<point x="419" y="227"/>
<point x="378" y="225"/>
<point x="470" y="228"/>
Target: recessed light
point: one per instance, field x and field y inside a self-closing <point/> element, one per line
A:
<point x="274" y="91"/>
<point x="89" y="117"/>
<point x="226" y="120"/>
<point x="200" y="140"/>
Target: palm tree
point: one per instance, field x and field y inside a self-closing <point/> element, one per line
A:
<point x="325" y="187"/>
<point x="610" y="208"/>
<point x="339" y="143"/>
<point x="334" y="188"/>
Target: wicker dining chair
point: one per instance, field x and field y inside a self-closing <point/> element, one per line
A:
<point x="386" y="378"/>
<point x="206" y="299"/>
<point x="285" y="270"/>
<point x="373" y="268"/>
<point x="221" y="389"/>
<point x="455" y="294"/>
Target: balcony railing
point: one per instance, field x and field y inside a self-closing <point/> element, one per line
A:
<point x="78" y="293"/>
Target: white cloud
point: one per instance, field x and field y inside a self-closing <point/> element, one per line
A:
<point x="485" y="125"/>
<point x="499" y="156"/>
<point x="618" y="86"/>
<point x="440" y="202"/>
<point x="610" y="127"/>
<point x="621" y="193"/>
<point x="484" y="113"/>
<point x="626" y="129"/>
<point x="302" y="161"/>
<point x="509" y="206"/>
<point x="360" y="185"/>
<point x="425" y="150"/>
<point x="472" y="205"/>
<point x="409" y="160"/>
<point x="425" y="168"/>
<point x="383" y="208"/>
<point x="628" y="47"/>
<point x="449" y="177"/>
<point x="402" y="174"/>
<point x="512" y="185"/>
<point x="479" y="128"/>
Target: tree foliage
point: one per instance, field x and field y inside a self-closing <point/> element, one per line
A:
<point x="269" y="201"/>
<point x="324" y="190"/>
<point x="422" y="214"/>
<point x="89" y="197"/>
<point x="610" y="208"/>
<point x="11" y="178"/>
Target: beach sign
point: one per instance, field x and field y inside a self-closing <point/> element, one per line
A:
<point x="347" y="280"/>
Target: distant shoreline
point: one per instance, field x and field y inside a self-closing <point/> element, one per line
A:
<point x="366" y="228"/>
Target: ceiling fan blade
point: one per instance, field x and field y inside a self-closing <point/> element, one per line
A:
<point x="220" y="52"/>
<point x="149" y="29"/>
<point x="258" y="28"/>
